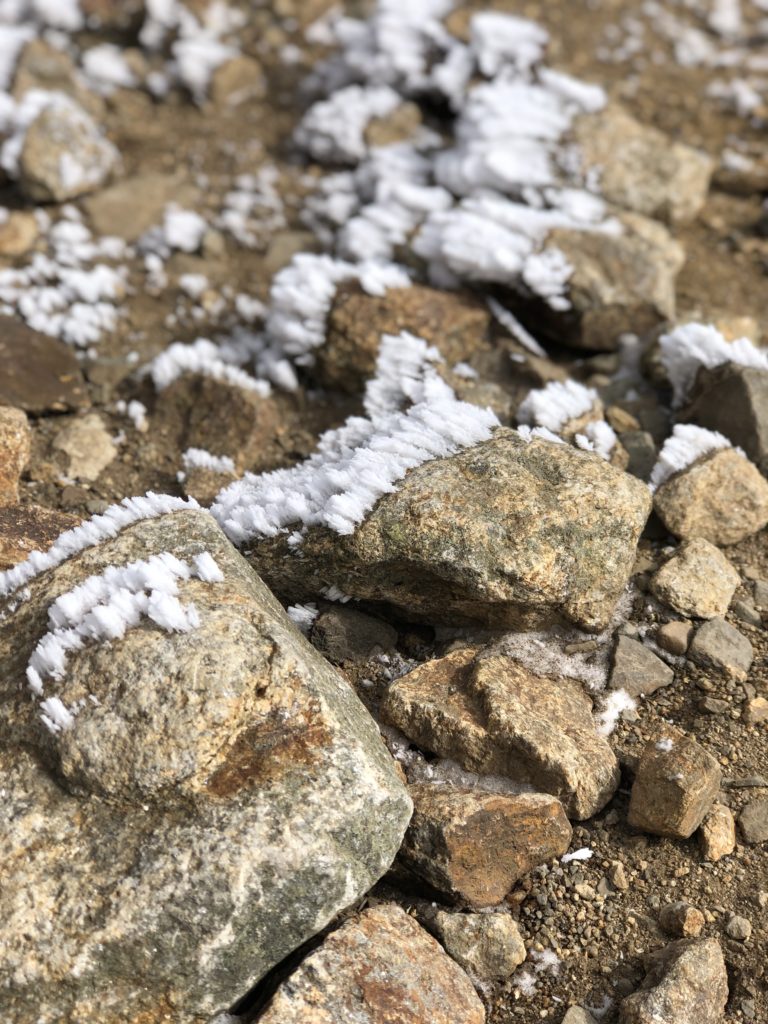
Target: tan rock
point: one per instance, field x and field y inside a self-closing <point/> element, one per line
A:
<point x="697" y="580"/>
<point x="717" y="833"/>
<point x="674" y="637"/>
<point x="27" y="528"/>
<point x="473" y="846"/>
<point x="756" y="711"/>
<point x="89" y="446"/>
<point x="237" y="81"/>
<point x="487" y="946"/>
<point x="228" y="420"/>
<point x="399" y="126"/>
<point x="681" y="920"/>
<point x="504" y="532"/>
<point x="687" y="983"/>
<point x="722" y="498"/>
<point x="42" y="65"/>
<point x="129" y="208"/>
<point x="15" y="440"/>
<point x="676" y="783"/>
<point x="718" y="645"/>
<point x="380" y="967"/>
<point x="18" y="233"/>
<point x="494" y="716"/>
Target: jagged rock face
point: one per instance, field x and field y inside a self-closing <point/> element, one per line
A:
<point x="219" y="797"/>
<point x="504" y="533"/>
<point x="686" y="983"/>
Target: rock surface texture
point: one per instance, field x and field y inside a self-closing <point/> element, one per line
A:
<point x="686" y="984"/>
<point x="208" y="804"/>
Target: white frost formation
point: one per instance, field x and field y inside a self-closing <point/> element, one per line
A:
<point x="693" y="345"/>
<point x="205" y="358"/>
<point x="687" y="444"/>
<point x="199" y="458"/>
<point x="412" y="416"/>
<point x="555" y="404"/>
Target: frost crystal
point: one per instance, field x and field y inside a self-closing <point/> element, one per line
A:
<point x="199" y="458"/>
<point x="691" y="346"/>
<point x="205" y="358"/>
<point x="687" y="444"/>
<point x="557" y="403"/>
<point x="614" y="705"/>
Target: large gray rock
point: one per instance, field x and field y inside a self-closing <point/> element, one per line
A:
<point x="220" y="795"/>
<point x="686" y="983"/>
<point x="505" y="532"/>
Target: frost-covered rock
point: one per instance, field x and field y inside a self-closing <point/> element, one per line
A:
<point x="504" y="532"/>
<point x="494" y="716"/>
<point x="180" y="762"/>
<point x="378" y="967"/>
<point x="640" y="168"/>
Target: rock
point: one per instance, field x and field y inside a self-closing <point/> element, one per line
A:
<point x="203" y="484"/>
<point x="42" y="65"/>
<point x="114" y="14"/>
<point x="577" y="1015"/>
<point x="457" y="325"/>
<point x="622" y="282"/>
<point x="681" y="920"/>
<point x="733" y="399"/>
<point x="129" y="208"/>
<point x="38" y="373"/>
<point x="212" y="805"/>
<point x="65" y="155"/>
<point x="746" y="612"/>
<point x="617" y="876"/>
<point x="15" y="441"/>
<point x="18" y="233"/>
<point x="676" y="783"/>
<point x="487" y="946"/>
<point x="237" y="81"/>
<point x="473" y="846"/>
<point x="642" y="452"/>
<point x="674" y="637"/>
<point x="380" y="967"/>
<point x="717" y="834"/>
<point x="739" y="929"/>
<point x="722" y="498"/>
<point x="506" y="533"/>
<point x="89" y="446"/>
<point x="345" y="634"/>
<point x="718" y="645"/>
<point x="27" y="528"/>
<point x="756" y="711"/>
<point x="637" y="669"/>
<point x="761" y="595"/>
<point x="753" y="821"/>
<point x="641" y="168"/>
<point x="494" y="716"/>
<point x="697" y="580"/>
<point x="686" y="983"/>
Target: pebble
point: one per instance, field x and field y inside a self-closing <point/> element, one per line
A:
<point x="720" y="646"/>
<point x="717" y="834"/>
<point x="739" y="929"/>
<point x="674" y="637"/>
<point x="753" y="821"/>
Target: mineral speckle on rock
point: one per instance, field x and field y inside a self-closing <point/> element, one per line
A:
<point x="696" y="580"/>
<point x="686" y="982"/>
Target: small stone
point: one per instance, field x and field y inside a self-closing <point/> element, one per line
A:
<point x="89" y="446"/>
<point x="578" y="1015"/>
<point x="717" y="833"/>
<point x="756" y="711"/>
<point x="345" y="634"/>
<point x="642" y="452"/>
<point x="746" y="612"/>
<point x="697" y="580"/>
<point x="18" y="233"/>
<point x="637" y="669"/>
<point x="617" y="876"/>
<point x="753" y="821"/>
<point x="473" y="846"/>
<point x="721" y="497"/>
<point x="65" y="155"/>
<point x="761" y="595"/>
<point x="687" y="983"/>
<point x="129" y="208"/>
<point x="489" y="947"/>
<point x="681" y="920"/>
<point x="237" y="81"/>
<point x="718" y="645"/>
<point x="15" y="441"/>
<point x="713" y="706"/>
<point x="380" y="967"/>
<point x="496" y="717"/>
<point x="27" y="528"/>
<point x="225" y="419"/>
<point x="739" y="929"/>
<point x="676" y="783"/>
<point x="38" y="373"/>
<point x="674" y="637"/>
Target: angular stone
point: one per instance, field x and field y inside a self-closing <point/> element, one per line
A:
<point x="89" y="446"/>
<point x="686" y="983"/>
<point x="458" y="325"/>
<point x="753" y="821"/>
<point x="578" y="1015"/>
<point x="237" y="81"/>
<point x="681" y="920"/>
<point x="42" y="65"/>
<point x="489" y="947"/>
<point x="18" y="233"/>
<point x="494" y="716"/>
<point x="722" y="498"/>
<point x="15" y="441"/>
<point x="219" y="800"/>
<point x="756" y="711"/>
<point x="27" y="528"/>
<point x="204" y="484"/>
<point x="637" y="669"/>
<point x="380" y="967"/>
<point x="622" y="282"/>
<point x="38" y="373"/>
<point x="65" y="155"/>
<point x="642" y="452"/>
<point x="733" y="399"/>
<point x="718" y="645"/>
<point x="697" y="580"/>
<point x="641" y="168"/>
<point x="676" y="784"/>
<point x="739" y="929"/>
<point x="129" y="208"/>
<point x="345" y="634"/>
<point x="674" y="637"/>
<point x="505" y="532"/>
<point x="717" y="834"/>
<point x="473" y="846"/>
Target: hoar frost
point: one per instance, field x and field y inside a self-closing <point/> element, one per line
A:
<point x="687" y="444"/>
<point x="687" y="348"/>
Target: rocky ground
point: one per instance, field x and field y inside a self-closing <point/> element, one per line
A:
<point x="387" y="388"/>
